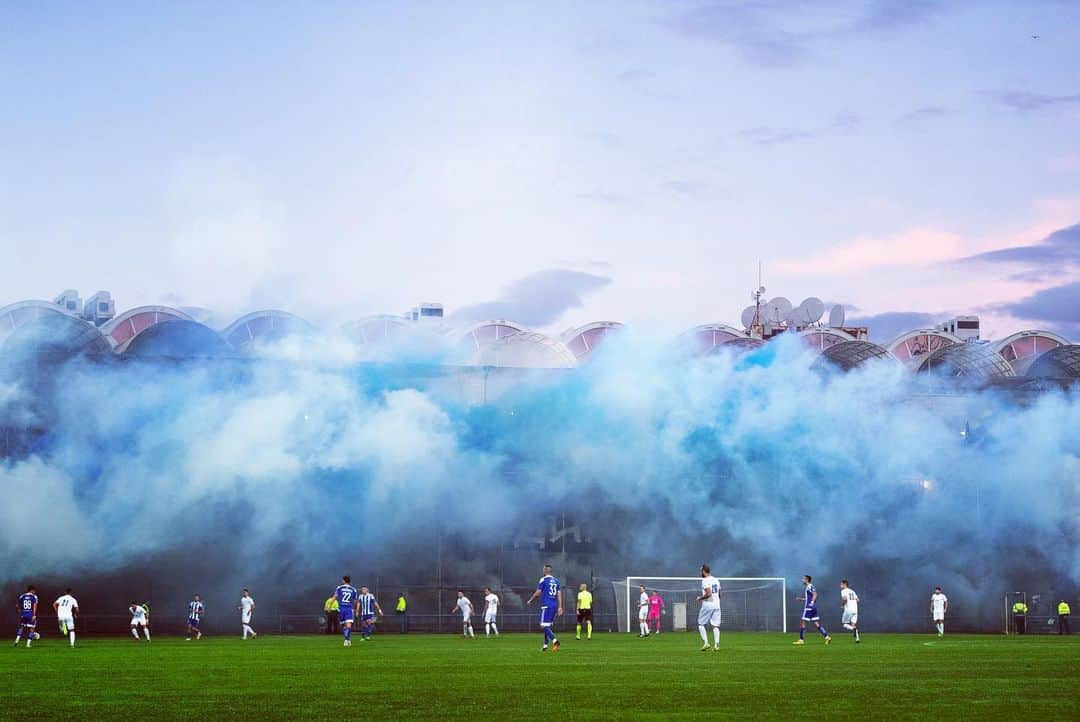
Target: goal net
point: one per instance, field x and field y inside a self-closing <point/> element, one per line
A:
<point x="748" y="604"/>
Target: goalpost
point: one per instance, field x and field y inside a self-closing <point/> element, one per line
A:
<point x="748" y="604"/>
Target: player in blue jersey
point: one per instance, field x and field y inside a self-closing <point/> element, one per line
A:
<point x="368" y="608"/>
<point x="194" y="618"/>
<point x="28" y="603"/>
<point x="810" y="612"/>
<point x="551" y="605"/>
<point x="346" y="595"/>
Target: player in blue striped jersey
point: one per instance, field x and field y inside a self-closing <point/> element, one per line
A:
<point x="367" y="607"/>
<point x="194" y="618"/>
<point x="28" y="604"/>
<point x="551" y="605"/>
<point x="346" y="595"/>
<point x="810" y="612"/>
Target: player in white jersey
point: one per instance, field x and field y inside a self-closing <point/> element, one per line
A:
<point x="849" y="602"/>
<point x="140" y="617"/>
<point x="939" y="604"/>
<point x="491" y="611"/>
<point x="66" y="610"/>
<point x="643" y="612"/>
<point x="710" y="609"/>
<point x="464" y="606"/>
<point x="247" y="609"/>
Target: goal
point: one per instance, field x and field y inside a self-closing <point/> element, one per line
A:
<point x="748" y="604"/>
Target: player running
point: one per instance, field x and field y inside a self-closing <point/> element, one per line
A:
<point x="710" y="609"/>
<point x="810" y="612"/>
<point x="247" y="610"/>
<point x="194" y="618"/>
<point x="643" y="612"/>
<point x="551" y="605"/>
<point x="346" y="594"/>
<point x="464" y="606"/>
<point x="584" y="611"/>
<point x="939" y="604"/>
<point x="367" y="607"/>
<point x="656" y="608"/>
<point x="491" y="611"/>
<point x="28" y="604"/>
<point x="140" y="617"/>
<point x="66" y="610"/>
<point x="849" y="602"/>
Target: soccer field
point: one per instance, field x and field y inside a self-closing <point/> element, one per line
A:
<point x="611" y="676"/>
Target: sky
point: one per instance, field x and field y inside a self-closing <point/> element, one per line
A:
<point x="554" y="162"/>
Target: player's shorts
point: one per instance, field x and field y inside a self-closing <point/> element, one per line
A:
<point x="245" y="617"/>
<point x="547" y="616"/>
<point x="810" y="614"/>
<point x="27" y="622"/>
<point x="68" y="622"/>
<point x="584" y="615"/>
<point x="345" y="614"/>
<point x="709" y="615"/>
<point x="654" y="615"/>
<point x="850" y="617"/>
<point x="140" y="621"/>
<point x="367" y="618"/>
<point x="193" y="622"/>
<point x="489" y="617"/>
<point x="642" y="614"/>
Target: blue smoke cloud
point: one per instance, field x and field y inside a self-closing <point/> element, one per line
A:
<point x="285" y="471"/>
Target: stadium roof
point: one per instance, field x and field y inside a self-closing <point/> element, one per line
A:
<point x="848" y="355"/>
<point x="976" y="361"/>
<point x="45" y="330"/>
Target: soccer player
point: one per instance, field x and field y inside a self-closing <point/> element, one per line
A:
<point x="247" y="609"/>
<point x="643" y="612"/>
<point x="656" y="607"/>
<point x="710" y="609"/>
<point x="584" y="611"/>
<point x="66" y="610"/>
<point x="140" y="617"/>
<point x="194" y="618"/>
<point x="346" y="598"/>
<point x="849" y="602"/>
<point x="551" y="605"/>
<point x="367" y="607"/>
<point x="491" y="611"/>
<point x="810" y="612"/>
<point x="28" y="603"/>
<point x="464" y="605"/>
<point x="939" y="604"/>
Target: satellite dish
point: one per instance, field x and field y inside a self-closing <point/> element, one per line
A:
<point x="748" y="316"/>
<point x="812" y="310"/>
<point x="836" y="317"/>
<point x="781" y="307"/>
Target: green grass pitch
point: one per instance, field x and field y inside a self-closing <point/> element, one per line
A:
<point x="612" y="676"/>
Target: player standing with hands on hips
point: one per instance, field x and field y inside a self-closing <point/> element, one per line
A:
<point x="710" y="609"/>
<point x="551" y="605"/>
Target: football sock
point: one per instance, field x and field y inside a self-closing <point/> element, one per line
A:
<point x="716" y="636"/>
<point x="348" y="633"/>
<point x="856" y="634"/>
<point x="548" y="634"/>
<point x="71" y="634"/>
<point x="495" y="629"/>
<point x="824" y="632"/>
<point x="135" y="633"/>
<point x="146" y="631"/>
<point x="703" y="633"/>
<point x="577" y="631"/>
<point x="802" y="632"/>
<point x="588" y="627"/>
